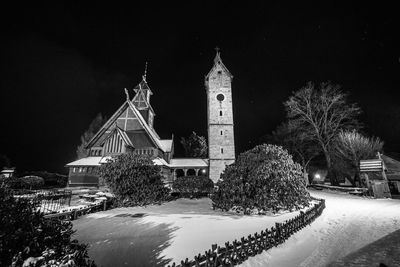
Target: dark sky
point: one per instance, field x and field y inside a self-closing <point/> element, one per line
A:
<point x="61" y="64"/>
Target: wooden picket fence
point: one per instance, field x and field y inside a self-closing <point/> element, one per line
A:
<point x="46" y="201"/>
<point x="75" y="214"/>
<point x="238" y="251"/>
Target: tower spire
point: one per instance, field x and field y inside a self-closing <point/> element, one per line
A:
<point x="217" y="56"/>
<point x="145" y="72"/>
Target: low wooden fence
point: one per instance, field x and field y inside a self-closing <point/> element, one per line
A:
<point x="47" y="201"/>
<point x="75" y="214"/>
<point x="238" y="251"/>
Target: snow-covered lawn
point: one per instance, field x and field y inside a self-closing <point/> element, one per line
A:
<point x="347" y="224"/>
<point x="162" y="234"/>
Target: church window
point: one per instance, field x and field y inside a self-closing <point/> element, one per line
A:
<point x="220" y="112"/>
<point x="220" y="97"/>
<point x="222" y="151"/>
<point x="221" y="132"/>
<point x="219" y="72"/>
<point x="74" y="169"/>
<point x="80" y="169"/>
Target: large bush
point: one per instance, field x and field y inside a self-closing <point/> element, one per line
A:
<point x="32" y="182"/>
<point x="193" y="186"/>
<point x="27" y="237"/>
<point x="265" y="178"/>
<point x="51" y="180"/>
<point x="134" y="179"/>
<point x="27" y="182"/>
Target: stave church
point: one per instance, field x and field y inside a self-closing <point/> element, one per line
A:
<point x="131" y="130"/>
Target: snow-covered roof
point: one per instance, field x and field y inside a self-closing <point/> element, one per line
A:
<point x="160" y="162"/>
<point x="88" y="161"/>
<point x="166" y="145"/>
<point x="97" y="161"/>
<point x="105" y="159"/>
<point x="188" y="162"/>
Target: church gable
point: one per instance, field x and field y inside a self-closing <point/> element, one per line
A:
<point x="128" y="121"/>
<point x="116" y="142"/>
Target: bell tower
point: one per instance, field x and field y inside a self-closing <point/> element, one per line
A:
<point x="221" y="144"/>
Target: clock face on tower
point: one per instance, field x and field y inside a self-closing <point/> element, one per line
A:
<point x="220" y="97"/>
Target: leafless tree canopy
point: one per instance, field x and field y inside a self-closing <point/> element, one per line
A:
<point x="320" y="112"/>
<point x="351" y="147"/>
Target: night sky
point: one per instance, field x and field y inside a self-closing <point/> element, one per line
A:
<point x="61" y="64"/>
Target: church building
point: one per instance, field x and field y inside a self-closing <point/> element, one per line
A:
<point x="131" y="130"/>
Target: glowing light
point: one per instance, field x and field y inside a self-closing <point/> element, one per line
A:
<point x="317" y="176"/>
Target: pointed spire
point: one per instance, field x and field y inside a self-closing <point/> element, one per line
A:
<point x="217" y="56"/>
<point x="145" y="72"/>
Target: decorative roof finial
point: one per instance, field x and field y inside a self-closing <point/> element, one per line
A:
<point x="145" y="72"/>
<point x="127" y="94"/>
<point x="217" y="56"/>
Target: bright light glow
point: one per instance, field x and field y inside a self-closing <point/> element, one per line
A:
<point x="203" y="171"/>
<point x="317" y="176"/>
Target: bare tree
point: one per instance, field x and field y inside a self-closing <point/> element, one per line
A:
<point x="297" y="143"/>
<point x="351" y="147"/>
<point x="321" y="112"/>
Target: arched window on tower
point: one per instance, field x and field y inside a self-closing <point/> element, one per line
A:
<point x="222" y="150"/>
<point x="220" y="112"/>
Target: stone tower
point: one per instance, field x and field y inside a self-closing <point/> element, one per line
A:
<point x="221" y="144"/>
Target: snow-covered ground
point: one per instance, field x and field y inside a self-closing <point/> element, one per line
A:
<point x="347" y="224"/>
<point x="160" y="235"/>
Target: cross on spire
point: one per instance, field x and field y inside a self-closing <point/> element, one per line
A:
<point x="217" y="49"/>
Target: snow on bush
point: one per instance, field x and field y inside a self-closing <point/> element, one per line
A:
<point x="28" y="239"/>
<point x="193" y="186"/>
<point x="134" y="180"/>
<point x="263" y="179"/>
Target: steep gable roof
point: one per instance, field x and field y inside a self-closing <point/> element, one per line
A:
<point x="150" y="131"/>
<point x="108" y="124"/>
<point x="218" y="62"/>
<point x="121" y="133"/>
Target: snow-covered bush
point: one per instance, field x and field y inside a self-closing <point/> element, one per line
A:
<point x="266" y="178"/>
<point x="193" y="186"/>
<point x="134" y="180"/>
<point x="27" y="239"/>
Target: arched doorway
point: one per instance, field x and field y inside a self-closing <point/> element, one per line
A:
<point x="191" y="172"/>
<point x="179" y="173"/>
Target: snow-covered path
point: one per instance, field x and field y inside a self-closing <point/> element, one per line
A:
<point x="347" y="224"/>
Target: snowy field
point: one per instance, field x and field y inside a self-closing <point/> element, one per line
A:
<point x="160" y="235"/>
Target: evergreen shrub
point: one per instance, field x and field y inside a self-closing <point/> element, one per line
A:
<point x="32" y="182"/>
<point x="11" y="182"/>
<point x="134" y="180"/>
<point x="27" y="239"/>
<point x="193" y="186"/>
<point x="265" y="179"/>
